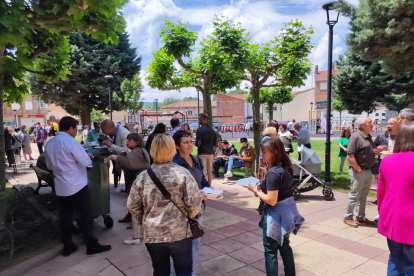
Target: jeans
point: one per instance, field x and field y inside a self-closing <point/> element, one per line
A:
<point x="357" y="198"/>
<point x="341" y="165"/>
<point x="40" y="147"/>
<point x="271" y="247"/>
<point x="233" y="162"/>
<point x="81" y="202"/>
<point x="180" y="251"/>
<point x="195" y="249"/>
<point x="247" y="131"/>
<point x="401" y="261"/>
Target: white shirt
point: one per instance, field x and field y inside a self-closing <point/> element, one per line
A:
<point x="247" y="126"/>
<point x="283" y="136"/>
<point x="68" y="161"/>
<point x="85" y="134"/>
<point x="291" y="126"/>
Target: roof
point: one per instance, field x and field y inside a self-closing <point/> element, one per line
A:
<point x="324" y="74"/>
<point x="238" y="96"/>
<point x="184" y="104"/>
<point x="300" y="92"/>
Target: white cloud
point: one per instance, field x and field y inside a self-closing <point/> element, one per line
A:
<point x="319" y="55"/>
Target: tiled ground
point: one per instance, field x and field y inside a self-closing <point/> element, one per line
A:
<point x="232" y="244"/>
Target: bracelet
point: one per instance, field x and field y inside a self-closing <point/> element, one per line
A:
<point x="255" y="193"/>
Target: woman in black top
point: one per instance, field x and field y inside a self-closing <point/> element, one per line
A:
<point x="280" y="216"/>
<point x="160" y="128"/>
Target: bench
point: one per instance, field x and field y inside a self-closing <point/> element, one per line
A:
<point x="246" y="170"/>
<point x="44" y="176"/>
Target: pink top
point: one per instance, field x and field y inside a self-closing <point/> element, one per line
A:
<point x="395" y="194"/>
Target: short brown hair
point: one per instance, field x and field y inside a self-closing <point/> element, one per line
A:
<point x="273" y="123"/>
<point x="404" y="141"/>
<point x="284" y="126"/>
<point x="203" y="117"/>
<point x="162" y="148"/>
<point x="343" y="131"/>
<point x="281" y="156"/>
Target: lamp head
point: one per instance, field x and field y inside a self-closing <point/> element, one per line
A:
<point x="331" y="14"/>
<point x="109" y="77"/>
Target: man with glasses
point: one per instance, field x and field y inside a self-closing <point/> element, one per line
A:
<point x="93" y="134"/>
<point x="406" y="115"/>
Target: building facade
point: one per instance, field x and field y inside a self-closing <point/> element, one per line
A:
<point x="192" y="109"/>
<point x="29" y="112"/>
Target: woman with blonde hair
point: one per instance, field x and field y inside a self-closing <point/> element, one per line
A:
<point x="166" y="227"/>
<point x="185" y="126"/>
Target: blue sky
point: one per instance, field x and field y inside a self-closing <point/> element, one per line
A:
<point x="262" y="19"/>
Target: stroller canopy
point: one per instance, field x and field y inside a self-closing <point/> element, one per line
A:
<point x="309" y="157"/>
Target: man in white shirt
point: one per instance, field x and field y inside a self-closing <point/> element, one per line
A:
<point x="68" y="161"/>
<point x="85" y="134"/>
<point x="291" y="126"/>
<point x="247" y="127"/>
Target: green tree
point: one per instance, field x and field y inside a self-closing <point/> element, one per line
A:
<point x="382" y="30"/>
<point x="361" y="85"/>
<point x="96" y="116"/>
<point x="338" y="106"/>
<point x="166" y="101"/>
<point x="130" y="96"/>
<point x="281" y="62"/>
<point x="31" y="29"/>
<point x="273" y="95"/>
<point x="209" y="70"/>
<point x="86" y="88"/>
<point x="189" y="99"/>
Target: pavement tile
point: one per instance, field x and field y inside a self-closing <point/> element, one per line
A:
<point x="354" y="273"/>
<point x="346" y="233"/>
<point x="258" y="231"/>
<point x="247" y="255"/>
<point x="303" y="272"/>
<point x="142" y="270"/>
<point x="246" y="271"/>
<point x="308" y="233"/>
<point x="382" y="258"/>
<point x="129" y="259"/>
<point x="380" y="243"/>
<point x="110" y="271"/>
<point x="310" y="251"/>
<point x="248" y="238"/>
<point x="222" y="221"/>
<point x="372" y="268"/>
<point x="329" y="226"/>
<point x="247" y="225"/>
<point x="260" y="265"/>
<point x="363" y="250"/>
<point x="334" y="241"/>
<point x="227" y="245"/>
<point x="296" y="240"/>
<point x="337" y="262"/>
<point x="258" y="246"/>
<point x="367" y="230"/>
<point x="207" y="253"/>
<point x="218" y="266"/>
<point x="211" y="236"/>
<point x="91" y="265"/>
<point x="230" y="230"/>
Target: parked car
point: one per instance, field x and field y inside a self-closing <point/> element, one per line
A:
<point x="304" y="123"/>
<point x="283" y="122"/>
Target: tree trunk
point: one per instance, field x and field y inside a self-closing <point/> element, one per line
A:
<point x="270" y="109"/>
<point x="256" y="121"/>
<point x="86" y="117"/>
<point x="207" y="100"/>
<point x="340" y="120"/>
<point x="2" y="151"/>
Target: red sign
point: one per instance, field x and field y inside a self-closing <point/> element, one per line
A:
<point x="34" y="116"/>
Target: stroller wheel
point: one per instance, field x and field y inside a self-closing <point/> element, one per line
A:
<point x="296" y="194"/>
<point x="328" y="194"/>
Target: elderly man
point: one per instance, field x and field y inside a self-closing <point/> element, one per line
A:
<point x="227" y="151"/>
<point x="387" y="138"/>
<point x="303" y="137"/>
<point x="93" y="134"/>
<point x="361" y="157"/>
<point x="406" y="115"/>
<point x="68" y="161"/>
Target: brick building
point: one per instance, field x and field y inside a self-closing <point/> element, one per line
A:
<point x="233" y="105"/>
<point x="192" y="109"/>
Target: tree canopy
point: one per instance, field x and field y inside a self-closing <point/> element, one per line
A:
<point x="86" y="88"/>
<point x="382" y="31"/>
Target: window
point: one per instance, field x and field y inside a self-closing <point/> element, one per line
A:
<point x="323" y="86"/>
<point x="196" y="112"/>
<point x="189" y="112"/>
<point x="383" y="114"/>
<point x="28" y="105"/>
<point x="376" y="114"/>
<point x="275" y="108"/>
<point x="41" y="105"/>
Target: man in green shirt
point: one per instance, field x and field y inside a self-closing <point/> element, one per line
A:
<point x="93" y="134"/>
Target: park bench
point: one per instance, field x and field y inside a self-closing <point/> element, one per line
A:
<point x="44" y="176"/>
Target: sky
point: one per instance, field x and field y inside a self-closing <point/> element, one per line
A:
<point x="262" y="19"/>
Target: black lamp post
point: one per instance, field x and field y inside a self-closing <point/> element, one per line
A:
<point x="156" y="108"/>
<point x="332" y="19"/>
<point x="311" y="106"/>
<point x="108" y="79"/>
<point x="198" y="100"/>
<point x="186" y="114"/>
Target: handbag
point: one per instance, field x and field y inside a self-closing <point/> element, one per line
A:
<point x="195" y="227"/>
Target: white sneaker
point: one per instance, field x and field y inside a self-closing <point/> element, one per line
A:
<point x="132" y="241"/>
<point x="228" y="174"/>
<point x="225" y="180"/>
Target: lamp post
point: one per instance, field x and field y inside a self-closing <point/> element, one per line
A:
<point x="108" y="79"/>
<point x="15" y="117"/>
<point x="198" y="100"/>
<point x="332" y="19"/>
<point x="186" y="114"/>
<point x="156" y="108"/>
<point x="311" y="104"/>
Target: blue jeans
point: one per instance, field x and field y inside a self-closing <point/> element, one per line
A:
<point x="180" y="251"/>
<point x="248" y="131"/>
<point x="401" y="261"/>
<point x="233" y="162"/>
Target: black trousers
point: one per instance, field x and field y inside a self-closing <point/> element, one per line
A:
<point x="179" y="251"/>
<point x="306" y="146"/>
<point x="216" y="166"/>
<point x="40" y="147"/>
<point x="116" y="173"/>
<point x="81" y="202"/>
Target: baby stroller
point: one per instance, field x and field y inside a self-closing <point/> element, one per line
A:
<point x="305" y="172"/>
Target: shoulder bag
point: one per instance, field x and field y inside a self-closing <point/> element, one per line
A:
<point x="195" y="227"/>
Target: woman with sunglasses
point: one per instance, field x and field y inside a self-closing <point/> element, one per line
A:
<point x="280" y="216"/>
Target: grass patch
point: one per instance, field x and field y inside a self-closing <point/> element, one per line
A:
<point x="340" y="182"/>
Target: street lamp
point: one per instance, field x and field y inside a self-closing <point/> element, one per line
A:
<point x="108" y="78"/>
<point x="156" y="108"/>
<point x="198" y="100"/>
<point x="311" y="104"/>
<point x="15" y="107"/>
<point x="332" y="18"/>
<point x="186" y="113"/>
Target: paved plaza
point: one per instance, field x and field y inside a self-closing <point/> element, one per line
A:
<point x="232" y="244"/>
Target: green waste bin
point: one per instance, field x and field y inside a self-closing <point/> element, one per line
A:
<point x="98" y="184"/>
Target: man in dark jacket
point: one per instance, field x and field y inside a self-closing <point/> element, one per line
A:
<point x="228" y="150"/>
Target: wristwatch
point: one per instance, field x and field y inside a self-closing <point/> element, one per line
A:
<point x="255" y="193"/>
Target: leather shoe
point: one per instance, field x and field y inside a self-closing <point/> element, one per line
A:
<point x="97" y="248"/>
<point x="351" y="223"/>
<point x="366" y="221"/>
<point x="69" y="249"/>
<point x="127" y="218"/>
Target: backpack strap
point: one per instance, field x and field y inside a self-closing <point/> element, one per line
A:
<point x="158" y="183"/>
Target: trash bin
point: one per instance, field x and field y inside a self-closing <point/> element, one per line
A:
<point x="98" y="177"/>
